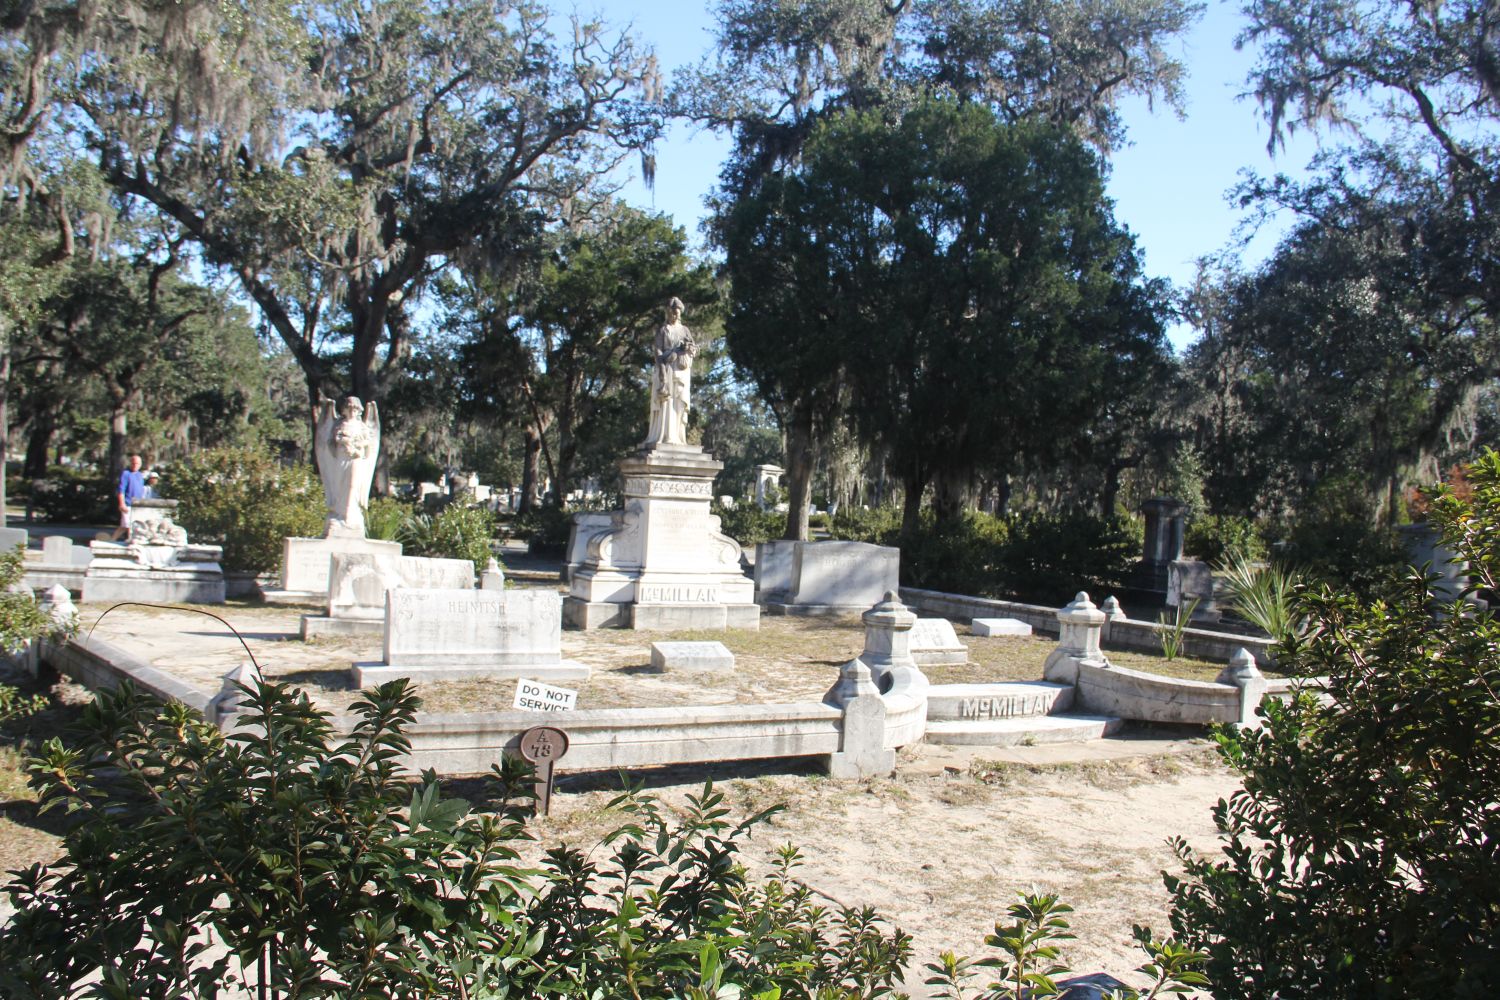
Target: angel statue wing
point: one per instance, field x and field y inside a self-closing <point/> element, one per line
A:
<point x="324" y="449"/>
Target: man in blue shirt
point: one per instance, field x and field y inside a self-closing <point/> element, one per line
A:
<point x="132" y="487"/>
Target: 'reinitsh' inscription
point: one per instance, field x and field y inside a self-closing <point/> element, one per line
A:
<point x="497" y="627"/>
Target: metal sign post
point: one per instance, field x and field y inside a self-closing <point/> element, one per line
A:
<point x="542" y="746"/>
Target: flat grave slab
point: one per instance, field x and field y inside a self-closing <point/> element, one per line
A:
<point x="691" y="657"/>
<point x="999" y="627"/>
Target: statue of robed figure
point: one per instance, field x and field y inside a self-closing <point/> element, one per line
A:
<point x="347" y="443"/>
<point x="671" y="379"/>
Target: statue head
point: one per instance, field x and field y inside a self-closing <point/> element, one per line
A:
<point x="350" y="408"/>
<point x="674" y="309"/>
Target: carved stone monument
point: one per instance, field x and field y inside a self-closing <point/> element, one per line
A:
<point x="661" y="562"/>
<point x="348" y="446"/>
<point x="155" y="563"/>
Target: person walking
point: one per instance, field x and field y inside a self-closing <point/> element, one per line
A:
<point x="132" y="487"/>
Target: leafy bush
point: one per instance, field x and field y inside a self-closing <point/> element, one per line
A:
<point x="1360" y="859"/>
<point x="1336" y="540"/>
<point x="1029" y="959"/>
<point x="1215" y="538"/>
<point x="458" y="532"/>
<point x="326" y="873"/>
<point x="1050" y="557"/>
<point x="21" y="621"/>
<point x="961" y="557"/>
<point x="546" y="529"/>
<point x="247" y="501"/>
<point x="68" y="498"/>
<point x="878" y="525"/>
<point x="747" y="524"/>
<point x="384" y="517"/>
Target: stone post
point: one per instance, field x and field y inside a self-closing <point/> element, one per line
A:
<point x="57" y="604"/>
<point x="231" y="694"/>
<point x="1079" y="627"/>
<point x="888" y="628"/>
<point x="1245" y="675"/>
<point x="861" y="752"/>
<point x="1112" y="613"/>
<point x="493" y="577"/>
<point x="1165" y="527"/>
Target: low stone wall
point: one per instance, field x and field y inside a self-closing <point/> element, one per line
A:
<point x="459" y="743"/>
<point x="99" y="665"/>
<point x="1133" y="694"/>
<point x="1124" y="633"/>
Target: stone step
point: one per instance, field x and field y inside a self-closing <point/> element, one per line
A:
<point x="1023" y="731"/>
<point x="1003" y="700"/>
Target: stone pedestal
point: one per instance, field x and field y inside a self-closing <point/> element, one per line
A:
<point x="1166" y="526"/>
<point x="661" y="562"/>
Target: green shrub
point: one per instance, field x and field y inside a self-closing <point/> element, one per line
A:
<point x="21" y="621"/>
<point x="457" y="532"/>
<point x="1214" y="538"/>
<point x="1360" y="859"/>
<point x="1336" y="540"/>
<point x="877" y="525"/>
<point x="334" y="874"/>
<point x="1050" y="557"/>
<point x="747" y="524"/>
<point x="247" y="501"/>
<point x="71" y="498"/>
<point x="960" y="557"/>
<point x="546" y="529"/>
<point x="384" y="517"/>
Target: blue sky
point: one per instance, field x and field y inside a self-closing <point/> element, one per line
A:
<point x="1169" y="184"/>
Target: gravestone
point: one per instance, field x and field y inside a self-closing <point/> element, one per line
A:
<point x="358" y="582"/>
<point x="11" y="537"/>
<point x="691" y="657"/>
<point x="1190" y="584"/>
<point x="1166" y="526"/>
<point x="836" y="578"/>
<point x="585" y="525"/>
<point x="57" y="550"/>
<point x="454" y="634"/>
<point x="989" y="627"/>
<point x="933" y="641"/>
<point x="774" y="561"/>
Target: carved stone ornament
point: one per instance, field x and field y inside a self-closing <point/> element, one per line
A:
<point x="348" y="446"/>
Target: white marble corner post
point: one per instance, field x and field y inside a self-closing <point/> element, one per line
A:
<point x="1243" y="674"/>
<point x="862" y="752"/>
<point x="1079" y="627"/>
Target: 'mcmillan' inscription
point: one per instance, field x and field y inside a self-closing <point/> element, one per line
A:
<point x="1005" y="706"/>
<point x="677" y="594"/>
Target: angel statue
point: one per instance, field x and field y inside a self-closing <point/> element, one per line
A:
<point x="671" y="379"/>
<point x="348" y="446"/>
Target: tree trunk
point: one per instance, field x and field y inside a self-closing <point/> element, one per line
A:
<point x="911" y="508"/>
<point x="799" y="473"/>
<point x="4" y="425"/>
<point x="950" y="497"/>
<point x="39" y="442"/>
<point x="118" y="426"/>
<point x="531" y="467"/>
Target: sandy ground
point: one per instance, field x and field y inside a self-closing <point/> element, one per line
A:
<point x="941" y="848"/>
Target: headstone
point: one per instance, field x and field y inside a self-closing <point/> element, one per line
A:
<point x="843" y="575"/>
<point x="11" y="537"/>
<point x="773" y="570"/>
<point x="57" y="550"/>
<point x="451" y="634"/>
<point x="306" y="562"/>
<point x="493" y="577"/>
<point x="1190" y="583"/>
<point x="990" y="627"/>
<point x="585" y="525"/>
<point x="933" y="641"/>
<point x="1166" y="524"/>
<point x="691" y="657"/>
<point x="358" y="581"/>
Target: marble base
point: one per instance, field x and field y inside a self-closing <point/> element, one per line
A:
<point x="686" y="617"/>
<point x="192" y="584"/>
<point x="367" y="675"/>
<point x="813" y="610"/>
